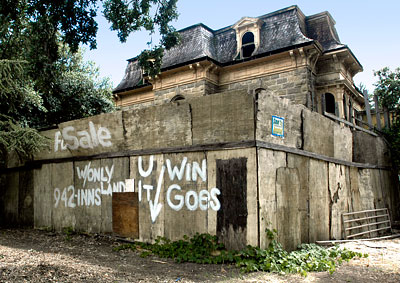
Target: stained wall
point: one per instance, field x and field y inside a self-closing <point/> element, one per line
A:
<point x="209" y="165"/>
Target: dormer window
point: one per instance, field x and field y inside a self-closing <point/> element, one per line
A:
<point x="248" y="45"/>
<point x="247" y="37"/>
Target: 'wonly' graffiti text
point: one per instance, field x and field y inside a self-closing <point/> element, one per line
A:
<point x="101" y="176"/>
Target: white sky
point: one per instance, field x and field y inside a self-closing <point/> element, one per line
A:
<point x="370" y="28"/>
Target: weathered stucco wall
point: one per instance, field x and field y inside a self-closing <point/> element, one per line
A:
<point x="208" y="164"/>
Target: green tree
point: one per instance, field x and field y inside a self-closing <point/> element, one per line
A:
<point x="387" y="88"/>
<point x="16" y="96"/>
<point x="43" y="80"/>
<point x="79" y="92"/>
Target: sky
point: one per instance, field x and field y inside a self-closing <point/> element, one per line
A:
<point x="370" y="28"/>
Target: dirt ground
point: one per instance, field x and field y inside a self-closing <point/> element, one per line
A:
<point x="40" y="256"/>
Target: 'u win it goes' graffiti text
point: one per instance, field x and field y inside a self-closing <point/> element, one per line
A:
<point x="175" y="197"/>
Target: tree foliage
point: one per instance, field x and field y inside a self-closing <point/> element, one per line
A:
<point x="43" y="79"/>
<point x="17" y="96"/>
<point x="387" y="88"/>
<point x="130" y="16"/>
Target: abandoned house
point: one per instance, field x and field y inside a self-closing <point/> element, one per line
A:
<point x="284" y="52"/>
<point x="231" y="138"/>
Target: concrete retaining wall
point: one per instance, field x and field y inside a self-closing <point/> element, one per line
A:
<point x="209" y="165"/>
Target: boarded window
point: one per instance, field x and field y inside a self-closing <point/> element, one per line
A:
<point x="125" y="214"/>
<point x="232" y="217"/>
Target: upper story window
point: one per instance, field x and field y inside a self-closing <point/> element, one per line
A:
<point x="248" y="45"/>
<point x="247" y="37"/>
<point x="329" y="104"/>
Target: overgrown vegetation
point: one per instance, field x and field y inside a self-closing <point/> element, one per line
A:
<point x="204" y="248"/>
<point x="387" y="88"/>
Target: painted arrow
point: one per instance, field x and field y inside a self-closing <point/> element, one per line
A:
<point x="155" y="208"/>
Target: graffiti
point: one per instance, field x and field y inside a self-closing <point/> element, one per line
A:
<point x="175" y="197"/>
<point x="203" y="200"/>
<point x="71" y="139"/>
<point x="87" y="197"/>
<point x="97" y="181"/>
<point x="100" y="176"/>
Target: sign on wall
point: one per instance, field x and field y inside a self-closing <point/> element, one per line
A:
<point x="278" y="126"/>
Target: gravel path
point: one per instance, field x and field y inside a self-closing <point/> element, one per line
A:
<point x="39" y="256"/>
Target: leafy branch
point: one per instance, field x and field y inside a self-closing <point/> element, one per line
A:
<point x="24" y="141"/>
<point x="130" y="16"/>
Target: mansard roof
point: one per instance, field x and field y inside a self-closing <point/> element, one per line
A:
<point x="281" y="30"/>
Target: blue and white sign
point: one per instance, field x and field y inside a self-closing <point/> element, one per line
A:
<point x="278" y="124"/>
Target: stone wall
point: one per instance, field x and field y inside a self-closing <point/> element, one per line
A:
<point x="190" y="90"/>
<point x="206" y="164"/>
<point x="294" y="85"/>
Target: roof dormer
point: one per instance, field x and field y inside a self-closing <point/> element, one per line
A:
<point x="247" y="36"/>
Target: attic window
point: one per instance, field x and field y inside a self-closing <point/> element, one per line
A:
<point x="247" y="37"/>
<point x="248" y="45"/>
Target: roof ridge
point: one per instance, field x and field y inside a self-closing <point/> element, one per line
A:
<point x="197" y="25"/>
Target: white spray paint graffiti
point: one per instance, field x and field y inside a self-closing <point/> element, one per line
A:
<point x="175" y="197"/>
<point x="72" y="197"/>
<point x="204" y="199"/>
<point x="71" y="139"/>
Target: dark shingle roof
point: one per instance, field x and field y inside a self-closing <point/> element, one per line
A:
<point x="321" y="27"/>
<point x="279" y="30"/>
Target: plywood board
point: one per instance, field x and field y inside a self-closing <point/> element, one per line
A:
<point x="9" y="198"/>
<point x="120" y="171"/>
<point x="25" y="198"/>
<point x="125" y="214"/>
<point x="149" y="174"/>
<point x="161" y="126"/>
<point x="43" y="201"/>
<point x="301" y="163"/>
<point x="268" y="106"/>
<point x="62" y="183"/>
<point x="226" y="117"/>
<point x="319" y="201"/>
<point x="185" y="210"/>
<point x="252" y="230"/>
<point x="232" y="217"/>
<point x="268" y="162"/>
<point x="93" y="135"/>
<point x="339" y="197"/>
<point x="287" y="202"/>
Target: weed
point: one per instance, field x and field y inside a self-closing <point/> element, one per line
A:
<point x="205" y="248"/>
<point x="68" y="232"/>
